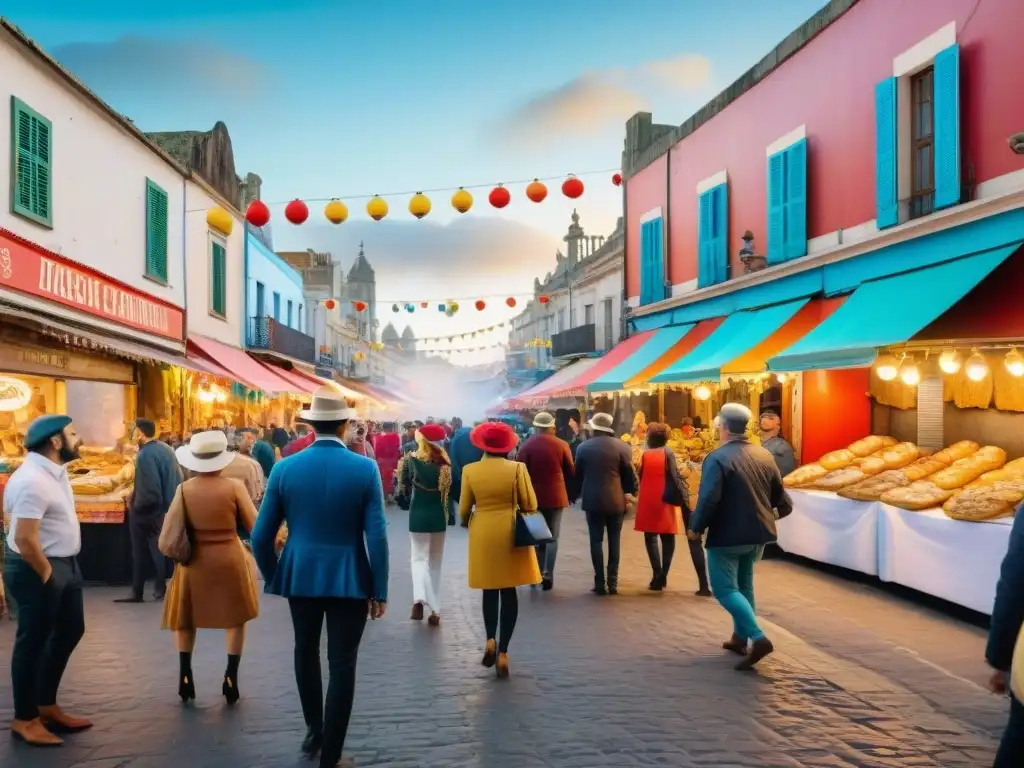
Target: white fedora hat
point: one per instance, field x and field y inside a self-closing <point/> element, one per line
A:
<point x="205" y="452"/>
<point x="543" y="420"/>
<point x="602" y="422"/>
<point x="328" y="405"/>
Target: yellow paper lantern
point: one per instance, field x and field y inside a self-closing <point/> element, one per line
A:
<point x="419" y="206"/>
<point x="336" y="212"/>
<point x="219" y="219"/>
<point x="462" y="201"/>
<point x="377" y="208"/>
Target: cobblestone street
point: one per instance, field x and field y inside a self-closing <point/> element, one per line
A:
<point x="859" y="678"/>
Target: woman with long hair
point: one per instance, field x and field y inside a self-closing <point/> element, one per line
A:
<point x="663" y="499"/>
<point x="494" y="490"/>
<point x="426" y="481"/>
<point x="216" y="589"/>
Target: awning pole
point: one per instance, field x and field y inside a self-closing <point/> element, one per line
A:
<point x="661" y="403"/>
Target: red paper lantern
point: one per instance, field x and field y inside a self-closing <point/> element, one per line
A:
<point x="617" y="179"/>
<point x="572" y="187"/>
<point x="510" y="301"/>
<point x="330" y="303"/>
<point x="359" y="306"/>
<point x="480" y="304"/>
<point x="536" y="191"/>
<point x="257" y="213"/>
<point x="499" y="197"/>
<point x="296" y="211"/>
<point x="543" y="299"/>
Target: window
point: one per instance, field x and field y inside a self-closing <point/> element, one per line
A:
<point x="787" y="203"/>
<point x="609" y="329"/>
<point x="588" y="314"/>
<point x="922" y="153"/>
<point x="713" y="236"/>
<point x="31" y="164"/>
<point x="652" y="259"/>
<point x="156" y="232"/>
<point x="277" y="306"/>
<point x="218" y="278"/>
<point x="289" y="323"/>
<point x="261" y="306"/>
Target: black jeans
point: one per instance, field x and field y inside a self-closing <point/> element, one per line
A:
<point x="598" y="523"/>
<point x="346" y="620"/>
<point x="661" y="561"/>
<point x="51" y="621"/>
<point x="145" y="533"/>
<point x="1011" y="748"/>
<point x="501" y="607"/>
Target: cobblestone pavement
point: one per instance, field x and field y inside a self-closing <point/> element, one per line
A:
<point x="859" y="679"/>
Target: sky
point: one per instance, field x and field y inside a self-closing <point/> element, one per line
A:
<point x="347" y="99"/>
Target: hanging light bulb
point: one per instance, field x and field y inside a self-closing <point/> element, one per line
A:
<point x="910" y="374"/>
<point x="1015" y="363"/>
<point x="977" y="368"/>
<point x="702" y="393"/>
<point x="949" y="361"/>
<point x="780" y="377"/>
<point x="887" y="368"/>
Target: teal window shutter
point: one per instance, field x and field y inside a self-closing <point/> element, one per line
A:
<point x="705" y="240"/>
<point x="795" y="240"/>
<point x="947" y="127"/>
<point x="218" y="279"/>
<point x="886" y="191"/>
<point x="644" y="261"/>
<point x="652" y="261"/>
<point x="31" y="164"/>
<point x="776" y="207"/>
<point x="720" y="211"/>
<point x="658" y="281"/>
<point x="156" y="232"/>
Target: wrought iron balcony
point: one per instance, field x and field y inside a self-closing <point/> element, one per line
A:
<point x="266" y="333"/>
<point x="580" y="340"/>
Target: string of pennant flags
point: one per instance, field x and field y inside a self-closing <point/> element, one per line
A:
<point x="448" y="307"/>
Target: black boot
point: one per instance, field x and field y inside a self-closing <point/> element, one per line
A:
<point x="312" y="743"/>
<point x="186" y="685"/>
<point x="230" y="687"/>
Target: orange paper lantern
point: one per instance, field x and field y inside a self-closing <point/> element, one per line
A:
<point x="480" y="305"/>
<point x="536" y="191"/>
<point x="359" y="306"/>
<point x="330" y="304"/>
<point x="377" y="208"/>
<point x="424" y="304"/>
<point x="336" y="212"/>
<point x="510" y="301"/>
<point x="462" y="201"/>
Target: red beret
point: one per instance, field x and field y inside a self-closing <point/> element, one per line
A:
<point x="433" y="433"/>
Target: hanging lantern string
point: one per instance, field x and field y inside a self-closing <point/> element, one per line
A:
<point x="502" y="297"/>
<point x="435" y="190"/>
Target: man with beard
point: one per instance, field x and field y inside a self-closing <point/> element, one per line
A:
<point x="157" y="477"/>
<point x="43" y="576"/>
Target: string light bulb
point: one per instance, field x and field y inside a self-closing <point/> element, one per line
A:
<point x="910" y="374"/>
<point x="1015" y="363"/>
<point x="887" y="368"/>
<point x="780" y="377"/>
<point x="702" y="393"/>
<point x="976" y="367"/>
<point x="949" y="361"/>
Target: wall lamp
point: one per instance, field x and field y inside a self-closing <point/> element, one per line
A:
<point x="752" y="262"/>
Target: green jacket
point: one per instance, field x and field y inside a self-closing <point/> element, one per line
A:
<point x="427" y="486"/>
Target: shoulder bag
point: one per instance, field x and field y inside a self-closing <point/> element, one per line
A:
<point x="673" y="495"/>
<point x="175" y="539"/>
<point x="531" y="529"/>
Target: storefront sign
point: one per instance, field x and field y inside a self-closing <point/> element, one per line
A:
<point x="14" y="394"/>
<point x="31" y="270"/>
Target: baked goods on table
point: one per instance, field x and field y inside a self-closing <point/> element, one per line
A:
<point x="892" y="457"/>
<point x="1012" y="470"/>
<point x="923" y="494"/>
<point x="872" y="488"/>
<point x="962" y="471"/>
<point x="855" y="454"/>
<point x="805" y="475"/>
<point x="986" y="502"/>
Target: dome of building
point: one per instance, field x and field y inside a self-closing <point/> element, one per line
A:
<point x="389" y="335"/>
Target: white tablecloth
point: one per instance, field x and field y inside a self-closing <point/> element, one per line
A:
<point x="831" y="529"/>
<point x="950" y="559"/>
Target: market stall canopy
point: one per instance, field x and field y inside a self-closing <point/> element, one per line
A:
<point x="300" y="384"/>
<point x="687" y="344"/>
<point x="889" y="311"/>
<point x="740" y="331"/>
<point x="578" y="386"/>
<point x="237" y="365"/>
<point x="358" y="389"/>
<point x="538" y="394"/>
<point x="656" y="345"/>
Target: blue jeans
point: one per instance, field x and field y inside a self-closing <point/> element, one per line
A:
<point x="732" y="581"/>
<point x="546" y="553"/>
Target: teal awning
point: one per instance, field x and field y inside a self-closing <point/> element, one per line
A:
<point x="740" y="332"/>
<point x="888" y="311"/>
<point x="661" y="342"/>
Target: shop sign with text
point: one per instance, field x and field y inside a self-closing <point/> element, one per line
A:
<point x="31" y="270"/>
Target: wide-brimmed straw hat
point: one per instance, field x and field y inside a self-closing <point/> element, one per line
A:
<point x="205" y="452"/>
<point x="543" y="420"/>
<point x="328" y="405"/>
<point x="602" y="422"/>
<point x="494" y="437"/>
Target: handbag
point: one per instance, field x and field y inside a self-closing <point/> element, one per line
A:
<point x="175" y="539"/>
<point x="673" y="494"/>
<point x="531" y="529"/>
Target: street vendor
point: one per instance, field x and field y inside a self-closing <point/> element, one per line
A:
<point x="775" y="443"/>
<point x="692" y="442"/>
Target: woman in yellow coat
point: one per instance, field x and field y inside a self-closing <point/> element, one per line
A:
<point x="492" y="491"/>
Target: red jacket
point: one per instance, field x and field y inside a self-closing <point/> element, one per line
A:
<point x="549" y="462"/>
<point x="299" y="444"/>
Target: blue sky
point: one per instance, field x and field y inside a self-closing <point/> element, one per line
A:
<point x="347" y="98"/>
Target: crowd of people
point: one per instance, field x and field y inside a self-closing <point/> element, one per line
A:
<point x="307" y="514"/>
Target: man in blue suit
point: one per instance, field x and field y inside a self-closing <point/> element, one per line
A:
<point x="334" y="563"/>
<point x="461" y="452"/>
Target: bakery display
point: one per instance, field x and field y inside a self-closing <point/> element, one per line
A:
<point x="962" y="471"/>
<point x="854" y="455"/>
<point x="923" y="494"/>
<point x="984" y="502"/>
<point x="102" y="474"/>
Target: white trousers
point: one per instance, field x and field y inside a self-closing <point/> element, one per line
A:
<point x="427" y="554"/>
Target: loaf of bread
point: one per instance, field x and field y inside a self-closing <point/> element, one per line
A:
<point x="859" y="461"/>
<point x="844" y="457"/>
<point x="93" y="485"/>
<point x="872" y="488"/>
<point x="1012" y="470"/>
<point x="922" y="468"/>
<point x="923" y="494"/>
<point x="804" y="475"/>
<point x="868" y="445"/>
<point x="957" y="451"/>
<point x="896" y="457"/>
<point x="837" y="479"/>
<point x="987" y="502"/>
<point x="961" y="472"/>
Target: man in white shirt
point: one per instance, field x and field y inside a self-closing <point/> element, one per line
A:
<point x="42" y="575"/>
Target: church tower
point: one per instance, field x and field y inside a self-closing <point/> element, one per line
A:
<point x="362" y="286"/>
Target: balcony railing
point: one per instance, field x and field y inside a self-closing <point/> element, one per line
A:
<point x="266" y="333"/>
<point x="580" y="340"/>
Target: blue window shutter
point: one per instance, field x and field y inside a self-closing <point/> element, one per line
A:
<point x="659" y="285"/>
<point x="645" y="263"/>
<point x="886" y="190"/>
<point x="795" y="241"/>
<point x="705" y="241"/>
<point x="947" y="127"/>
<point x="721" y="213"/>
<point x="776" y="212"/>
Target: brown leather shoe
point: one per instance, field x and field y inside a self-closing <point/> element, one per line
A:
<point x="502" y="666"/>
<point x="758" y="650"/>
<point x="61" y="722"/>
<point x="736" y="645"/>
<point x="417" y="612"/>
<point x="34" y="733"/>
<point x="490" y="653"/>
<point x="434" y="620"/>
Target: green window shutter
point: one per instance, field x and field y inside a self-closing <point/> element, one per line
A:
<point x="31" y="164"/>
<point x="156" y="232"/>
<point x="218" y="280"/>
